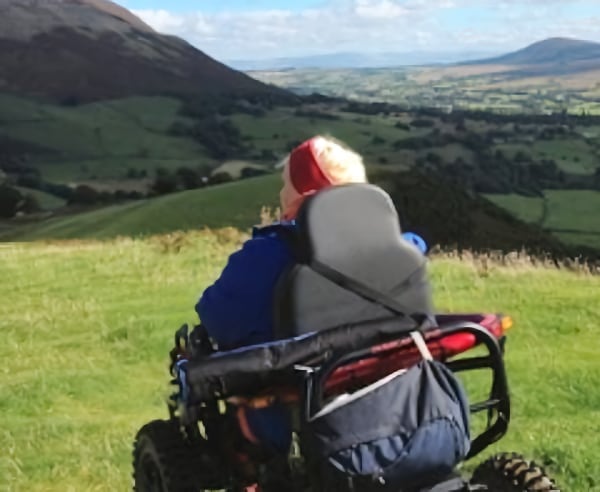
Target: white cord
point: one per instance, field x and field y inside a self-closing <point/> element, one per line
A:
<point x="421" y="345"/>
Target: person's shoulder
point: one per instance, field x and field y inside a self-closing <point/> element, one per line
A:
<point x="267" y="241"/>
<point x="276" y="231"/>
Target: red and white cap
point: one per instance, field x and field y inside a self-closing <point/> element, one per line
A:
<point x="314" y="165"/>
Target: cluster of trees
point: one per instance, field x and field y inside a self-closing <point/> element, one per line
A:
<point x="315" y="114"/>
<point x="558" y="118"/>
<point x="213" y="129"/>
<point x="15" y="173"/>
<point x="85" y="195"/>
<point x="218" y="135"/>
<point x="442" y="212"/>
<point x="199" y="107"/>
<point x="497" y="173"/>
<point x="373" y="108"/>
<point x="478" y="142"/>
<point x="13" y="202"/>
<point x="186" y="178"/>
<point x="539" y="119"/>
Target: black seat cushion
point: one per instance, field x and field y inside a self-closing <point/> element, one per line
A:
<point x="355" y="230"/>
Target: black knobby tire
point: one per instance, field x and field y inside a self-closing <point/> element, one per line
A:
<point x="510" y="472"/>
<point x="165" y="461"/>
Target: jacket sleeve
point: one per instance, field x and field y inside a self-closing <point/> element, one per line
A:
<point x="237" y="309"/>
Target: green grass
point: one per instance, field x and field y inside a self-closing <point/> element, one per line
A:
<point x="528" y="209"/>
<point x="573" y="210"/>
<point x="571" y="215"/>
<point x="87" y="328"/>
<point x="235" y="204"/>
<point x="101" y="139"/>
<point x="571" y="155"/>
<point x="234" y="168"/>
<point x="45" y="200"/>
<point x="280" y="127"/>
<point x="580" y="238"/>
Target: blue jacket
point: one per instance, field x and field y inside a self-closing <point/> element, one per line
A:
<point x="237" y="310"/>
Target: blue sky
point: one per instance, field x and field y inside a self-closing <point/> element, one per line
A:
<point x="259" y="29"/>
<point x="220" y="5"/>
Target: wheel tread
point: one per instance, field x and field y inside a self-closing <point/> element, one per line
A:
<point x="183" y="462"/>
<point x="511" y="472"/>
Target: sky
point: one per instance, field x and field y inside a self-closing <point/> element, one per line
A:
<point x="264" y="29"/>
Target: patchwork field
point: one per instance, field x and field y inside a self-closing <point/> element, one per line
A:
<point x="118" y="145"/>
<point x="573" y="216"/>
<point x="499" y="88"/>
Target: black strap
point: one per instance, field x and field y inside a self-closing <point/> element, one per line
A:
<point x="363" y="290"/>
<point x="292" y="238"/>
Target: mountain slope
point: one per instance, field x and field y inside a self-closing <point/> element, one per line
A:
<point x="82" y="50"/>
<point x="553" y="50"/>
<point x="550" y="56"/>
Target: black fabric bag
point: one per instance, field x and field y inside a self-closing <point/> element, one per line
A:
<point x="407" y="428"/>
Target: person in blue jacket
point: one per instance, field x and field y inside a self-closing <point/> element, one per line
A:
<point x="237" y="309"/>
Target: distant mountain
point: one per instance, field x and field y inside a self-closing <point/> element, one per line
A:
<point x="356" y="60"/>
<point x="551" y="56"/>
<point x="95" y="49"/>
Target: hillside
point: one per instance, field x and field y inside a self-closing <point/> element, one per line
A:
<point x="100" y="140"/>
<point x="119" y="146"/>
<point x="84" y="50"/>
<point x="561" y="55"/>
<point x="443" y="214"/>
<point x="235" y="204"/>
<point x="87" y="327"/>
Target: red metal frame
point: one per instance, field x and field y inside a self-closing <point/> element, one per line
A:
<point x="401" y="354"/>
<point x="386" y="359"/>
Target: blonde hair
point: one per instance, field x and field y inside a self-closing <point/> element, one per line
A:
<point x="339" y="163"/>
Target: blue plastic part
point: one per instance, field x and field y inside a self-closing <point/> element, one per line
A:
<point x="417" y="240"/>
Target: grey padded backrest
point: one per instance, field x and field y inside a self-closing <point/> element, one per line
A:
<point x="355" y="230"/>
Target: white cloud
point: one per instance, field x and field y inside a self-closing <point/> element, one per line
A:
<point x="370" y="26"/>
<point x="385" y="9"/>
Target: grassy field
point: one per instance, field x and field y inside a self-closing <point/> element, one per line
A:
<point x="102" y="139"/>
<point x="45" y="200"/>
<point x="571" y="155"/>
<point x="528" y="209"/>
<point x="572" y="215"/>
<point x="87" y="328"/>
<point x="574" y="210"/>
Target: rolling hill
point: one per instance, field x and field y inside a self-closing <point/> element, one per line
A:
<point x="554" y="56"/>
<point x="552" y="51"/>
<point x="86" y="50"/>
<point x="444" y="215"/>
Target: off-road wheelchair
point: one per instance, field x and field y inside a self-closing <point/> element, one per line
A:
<point x="365" y="367"/>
